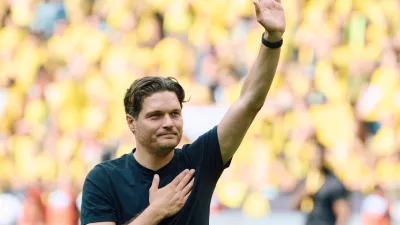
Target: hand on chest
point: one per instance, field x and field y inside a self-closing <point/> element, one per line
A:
<point x="143" y="190"/>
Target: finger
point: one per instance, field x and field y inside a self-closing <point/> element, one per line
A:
<point x="257" y="7"/>
<point x="178" y="178"/>
<point x="185" y="180"/>
<point x="187" y="196"/>
<point x="188" y="188"/>
<point x="155" y="184"/>
<point x="279" y="1"/>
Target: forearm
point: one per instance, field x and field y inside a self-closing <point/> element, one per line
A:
<point x="150" y="216"/>
<point x="261" y="75"/>
<point x="342" y="211"/>
<point x="342" y="219"/>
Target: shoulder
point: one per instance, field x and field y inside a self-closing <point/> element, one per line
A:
<point x="204" y="149"/>
<point x="208" y="138"/>
<point x="334" y="180"/>
<point x="103" y="170"/>
<point x="213" y="132"/>
<point x="207" y="143"/>
<point x="336" y="186"/>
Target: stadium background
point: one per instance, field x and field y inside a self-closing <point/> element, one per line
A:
<point x="64" y="68"/>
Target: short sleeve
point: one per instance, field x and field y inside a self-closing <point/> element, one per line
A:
<point x="205" y="152"/>
<point x="96" y="202"/>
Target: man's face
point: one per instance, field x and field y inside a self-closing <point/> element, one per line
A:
<point x="158" y="127"/>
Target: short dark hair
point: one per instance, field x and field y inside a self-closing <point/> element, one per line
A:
<point x="147" y="86"/>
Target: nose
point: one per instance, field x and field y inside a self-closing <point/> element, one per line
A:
<point x="168" y="123"/>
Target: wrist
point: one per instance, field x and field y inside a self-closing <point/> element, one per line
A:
<point x="156" y="213"/>
<point x="273" y="36"/>
<point x="273" y="41"/>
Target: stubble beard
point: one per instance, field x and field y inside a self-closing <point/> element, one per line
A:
<point x="163" y="150"/>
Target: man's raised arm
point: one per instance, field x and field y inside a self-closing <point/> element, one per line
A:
<point x="241" y="114"/>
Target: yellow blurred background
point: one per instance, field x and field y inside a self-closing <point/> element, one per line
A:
<point x="64" y="68"/>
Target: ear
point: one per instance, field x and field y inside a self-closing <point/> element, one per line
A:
<point x="130" y="120"/>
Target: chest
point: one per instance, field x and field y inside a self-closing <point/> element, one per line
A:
<point x="131" y="194"/>
<point x="131" y="197"/>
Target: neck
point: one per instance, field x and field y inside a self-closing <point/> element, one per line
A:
<point x="151" y="161"/>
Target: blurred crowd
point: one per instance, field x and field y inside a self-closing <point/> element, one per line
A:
<point x="65" y="66"/>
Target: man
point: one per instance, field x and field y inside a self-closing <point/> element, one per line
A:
<point x="158" y="184"/>
<point x="329" y="196"/>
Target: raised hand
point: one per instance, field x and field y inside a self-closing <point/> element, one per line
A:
<point x="271" y="16"/>
<point x="171" y="198"/>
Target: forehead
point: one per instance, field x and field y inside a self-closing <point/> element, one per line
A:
<point x="161" y="101"/>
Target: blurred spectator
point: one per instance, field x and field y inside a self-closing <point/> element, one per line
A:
<point x="10" y="208"/>
<point x="61" y="205"/>
<point x="46" y="15"/>
<point x="33" y="210"/>
<point x="323" y="193"/>
<point x="375" y="209"/>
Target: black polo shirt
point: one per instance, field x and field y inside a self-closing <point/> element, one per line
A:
<point x="118" y="190"/>
<point x="331" y="191"/>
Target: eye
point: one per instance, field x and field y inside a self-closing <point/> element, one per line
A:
<point x="155" y="116"/>
<point x="175" y="114"/>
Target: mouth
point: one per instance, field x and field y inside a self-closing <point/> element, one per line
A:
<point x="167" y="134"/>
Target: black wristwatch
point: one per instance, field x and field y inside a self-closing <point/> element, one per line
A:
<point x="268" y="44"/>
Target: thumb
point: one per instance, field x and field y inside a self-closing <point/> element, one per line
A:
<point x="155" y="183"/>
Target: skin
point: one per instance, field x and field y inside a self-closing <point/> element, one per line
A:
<point x="154" y="150"/>
<point x="158" y="129"/>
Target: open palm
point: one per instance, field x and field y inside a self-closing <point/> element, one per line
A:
<point x="270" y="15"/>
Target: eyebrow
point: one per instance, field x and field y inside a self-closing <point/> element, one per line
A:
<point x="153" y="112"/>
<point x="159" y="111"/>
